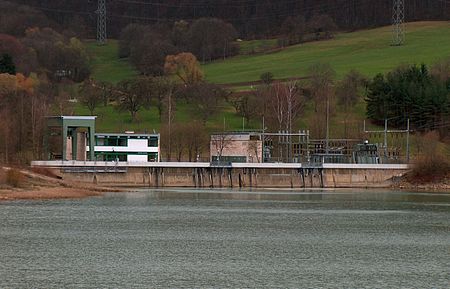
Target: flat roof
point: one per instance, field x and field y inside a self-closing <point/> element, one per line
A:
<point x="256" y="132"/>
<point x="127" y="134"/>
<point x="77" y="117"/>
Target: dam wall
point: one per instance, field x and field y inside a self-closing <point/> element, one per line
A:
<point x="242" y="175"/>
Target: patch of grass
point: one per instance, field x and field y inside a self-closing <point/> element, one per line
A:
<point x="109" y="119"/>
<point x="106" y="64"/>
<point x="367" y="51"/>
<point x="257" y="46"/>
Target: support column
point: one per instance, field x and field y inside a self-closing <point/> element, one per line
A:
<point x="46" y="137"/>
<point x="64" y="139"/>
<point x="74" y="144"/>
<point x="91" y="132"/>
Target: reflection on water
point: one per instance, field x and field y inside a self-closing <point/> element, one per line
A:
<point x="185" y="238"/>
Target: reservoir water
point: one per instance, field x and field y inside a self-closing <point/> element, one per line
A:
<point x="185" y="238"/>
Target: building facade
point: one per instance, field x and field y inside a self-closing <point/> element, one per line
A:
<point x="127" y="147"/>
<point x="236" y="147"/>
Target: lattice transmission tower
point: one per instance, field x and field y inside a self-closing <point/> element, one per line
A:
<point x="398" y="20"/>
<point x="101" y="22"/>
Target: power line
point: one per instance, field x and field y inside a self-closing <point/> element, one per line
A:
<point x="281" y="13"/>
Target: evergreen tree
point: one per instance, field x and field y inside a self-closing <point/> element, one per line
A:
<point x="7" y="64"/>
<point x="408" y="92"/>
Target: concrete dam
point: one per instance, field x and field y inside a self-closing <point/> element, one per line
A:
<point x="233" y="175"/>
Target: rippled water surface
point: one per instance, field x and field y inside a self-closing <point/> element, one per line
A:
<point x="215" y="239"/>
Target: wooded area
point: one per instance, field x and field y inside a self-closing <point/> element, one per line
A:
<point x="251" y="18"/>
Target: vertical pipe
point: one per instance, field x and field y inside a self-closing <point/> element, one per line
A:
<point x="328" y="127"/>
<point x="64" y="140"/>
<point x="385" y="137"/>
<point x="262" y="139"/>
<point x="407" y="142"/>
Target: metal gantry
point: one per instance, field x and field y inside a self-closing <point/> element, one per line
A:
<point x="101" y="22"/>
<point x="398" y="20"/>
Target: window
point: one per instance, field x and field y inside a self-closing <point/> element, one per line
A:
<point x="153" y="141"/>
<point x="230" y="159"/>
<point x="111" y="157"/>
<point x="152" y="157"/>
<point x="123" y="141"/>
<point x="113" y="141"/>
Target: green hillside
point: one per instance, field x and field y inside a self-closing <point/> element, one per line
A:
<point x="106" y="65"/>
<point x="368" y="51"/>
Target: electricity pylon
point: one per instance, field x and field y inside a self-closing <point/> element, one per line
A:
<point x="101" y="22"/>
<point x="398" y="19"/>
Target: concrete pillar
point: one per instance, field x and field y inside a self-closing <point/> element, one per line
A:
<point x="91" y="131"/>
<point x="64" y="140"/>
<point x="74" y="144"/>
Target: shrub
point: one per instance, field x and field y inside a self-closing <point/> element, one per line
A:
<point x="433" y="164"/>
<point x="14" y="178"/>
<point x="2" y="176"/>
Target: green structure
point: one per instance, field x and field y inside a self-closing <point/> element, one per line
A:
<point x="66" y="126"/>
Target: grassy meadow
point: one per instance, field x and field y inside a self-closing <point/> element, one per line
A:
<point x="367" y="51"/>
<point x="105" y="63"/>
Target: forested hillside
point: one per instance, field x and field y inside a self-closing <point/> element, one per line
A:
<point x="252" y="18"/>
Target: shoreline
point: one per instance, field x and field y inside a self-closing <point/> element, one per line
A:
<point x="49" y="193"/>
<point x="39" y="185"/>
<point x="80" y="191"/>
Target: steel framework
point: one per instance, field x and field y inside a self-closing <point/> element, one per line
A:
<point x="101" y="22"/>
<point x="398" y="19"/>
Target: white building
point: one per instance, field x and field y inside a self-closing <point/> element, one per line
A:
<point x="127" y="147"/>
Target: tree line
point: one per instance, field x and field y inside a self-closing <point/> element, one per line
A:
<point x="251" y="18"/>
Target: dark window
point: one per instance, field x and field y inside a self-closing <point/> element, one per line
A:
<point x="153" y="157"/>
<point x="230" y="159"/>
<point x="153" y="141"/>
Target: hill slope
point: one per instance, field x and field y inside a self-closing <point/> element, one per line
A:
<point x="368" y="51"/>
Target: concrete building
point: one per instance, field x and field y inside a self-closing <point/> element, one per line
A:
<point x="73" y="137"/>
<point x="127" y="147"/>
<point x="236" y="147"/>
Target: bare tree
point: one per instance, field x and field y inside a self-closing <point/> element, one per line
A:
<point x="90" y="94"/>
<point x="220" y="142"/>
<point x="163" y="89"/>
<point x="322" y="92"/>
<point x="129" y="98"/>
<point x="204" y="98"/>
<point x="285" y="105"/>
<point x="196" y="139"/>
<point x="348" y="93"/>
